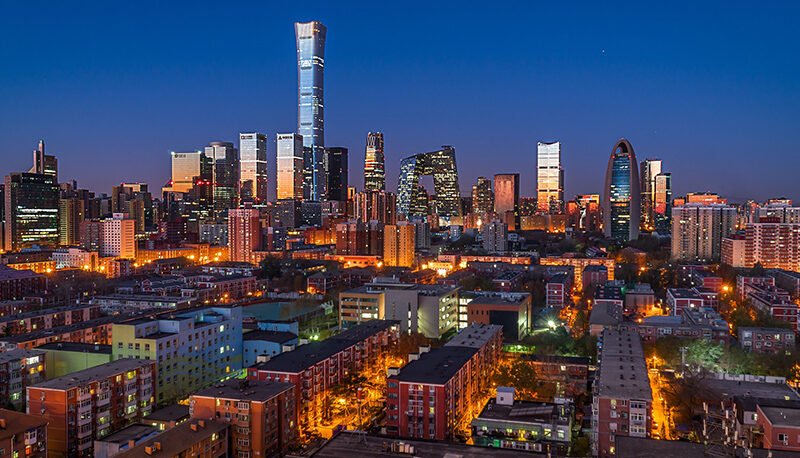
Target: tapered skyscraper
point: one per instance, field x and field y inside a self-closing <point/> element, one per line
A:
<point x="621" y="195"/>
<point x="310" y="100"/>
<point x="374" y="170"/>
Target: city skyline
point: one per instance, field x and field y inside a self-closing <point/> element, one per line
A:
<point x="732" y="126"/>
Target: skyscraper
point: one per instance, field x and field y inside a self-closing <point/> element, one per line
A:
<point x="662" y="203"/>
<point x="336" y="171"/>
<point x="399" y="244"/>
<point x="441" y="165"/>
<point x="70" y="217"/>
<point x="188" y="167"/>
<point x="621" y="195"/>
<point x="244" y="233"/>
<point x="290" y="166"/>
<point x="253" y="167"/>
<point x="649" y="169"/>
<point x="506" y="192"/>
<point x="495" y="236"/>
<point x="549" y="178"/>
<point x="375" y="206"/>
<point x="225" y="173"/>
<point x="374" y="167"/>
<point x="310" y="98"/>
<point x="31" y="210"/>
<point x="117" y="237"/>
<point x="43" y="163"/>
<point x="482" y="196"/>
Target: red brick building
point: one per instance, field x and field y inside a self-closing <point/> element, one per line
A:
<point x="558" y="289"/>
<point x="48" y="318"/>
<point x="22" y="435"/>
<point x="679" y="299"/>
<point x="767" y="340"/>
<point x="93" y="331"/>
<point x="93" y="403"/>
<point x="16" y="284"/>
<point x="780" y="427"/>
<point x="437" y="393"/>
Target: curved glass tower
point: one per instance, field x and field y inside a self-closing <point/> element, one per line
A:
<point x="621" y="195"/>
<point x="411" y="198"/>
<point x="310" y="101"/>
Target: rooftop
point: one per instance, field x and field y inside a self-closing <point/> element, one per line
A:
<point x="641" y="447"/>
<point x="86" y="376"/>
<point x="251" y="390"/>
<point x="683" y="293"/>
<point x="608" y="293"/>
<point x="475" y="335"/>
<point x="559" y="278"/>
<point x="527" y="412"/>
<point x="437" y="366"/>
<point x="77" y="347"/>
<point x="17" y="423"/>
<point x="175" y="440"/>
<point x="58" y="330"/>
<point x="348" y="443"/>
<point x="499" y="298"/>
<point x="9" y="273"/>
<point x="270" y="336"/>
<point x="18" y="354"/>
<point x="622" y="372"/>
<point x="728" y="389"/>
<point x="605" y="313"/>
<point x="47" y="311"/>
<point x="782" y="416"/>
<point x="135" y="432"/>
<point x="595" y="268"/>
<point x="173" y="412"/>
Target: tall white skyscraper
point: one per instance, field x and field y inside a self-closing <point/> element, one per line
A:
<point x="310" y="100"/>
<point x="549" y="178"/>
<point x="253" y="167"/>
<point x="290" y="166"/>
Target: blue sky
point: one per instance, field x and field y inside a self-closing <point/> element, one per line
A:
<point x="712" y="89"/>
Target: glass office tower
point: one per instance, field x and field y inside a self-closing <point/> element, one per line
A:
<point x="549" y="178"/>
<point x="336" y="172"/>
<point x="186" y="167"/>
<point x="31" y="210"/>
<point x="374" y="167"/>
<point x="442" y="166"/>
<point x="253" y="167"/>
<point x="225" y="174"/>
<point x="310" y="100"/>
<point x="662" y="203"/>
<point x="621" y="195"/>
<point x="290" y="166"/>
<point x="649" y="169"/>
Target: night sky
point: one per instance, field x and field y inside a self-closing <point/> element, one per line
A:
<point x="712" y="90"/>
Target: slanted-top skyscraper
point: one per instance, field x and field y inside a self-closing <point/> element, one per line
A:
<point x="621" y="196"/>
<point x="374" y="168"/>
<point x="549" y="178"/>
<point x="310" y="100"/>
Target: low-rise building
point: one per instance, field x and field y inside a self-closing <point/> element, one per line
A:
<point x="787" y="280"/>
<point x="194" y="438"/>
<point x="23" y="435"/>
<point x="557" y="290"/>
<point x="510" y="310"/>
<point x="778" y="306"/>
<point x="88" y="405"/>
<point x="93" y="331"/>
<point x="123" y="440"/>
<point x="780" y="426"/>
<point x="266" y="344"/>
<point x="437" y="392"/>
<point x="679" y="299"/>
<point x="168" y="417"/>
<point x="704" y="278"/>
<point x="639" y="300"/>
<point x="524" y="425"/>
<point x="767" y="340"/>
<point x="16" y="284"/>
<point x="323" y="282"/>
<point x="695" y="323"/>
<point x="570" y="374"/>
<point x="508" y="281"/>
<point x="135" y="302"/>
<point x="263" y="413"/>
<point x="743" y="281"/>
<point x="594" y="274"/>
<point x="64" y="358"/>
<point x="40" y="320"/>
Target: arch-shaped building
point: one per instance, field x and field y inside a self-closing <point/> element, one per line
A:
<point x="621" y="194"/>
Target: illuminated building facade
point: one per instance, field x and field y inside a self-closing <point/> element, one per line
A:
<point x="399" y="244"/>
<point x="549" y="178"/>
<point x="31" y="210"/>
<point x="375" y="206"/>
<point x="506" y="192"/>
<point x="290" y="166"/>
<point x="698" y="230"/>
<point x="336" y="173"/>
<point x="253" y="167"/>
<point x="648" y="169"/>
<point x="244" y="233"/>
<point x="482" y="196"/>
<point x="441" y="165"/>
<point x="310" y="99"/>
<point x="187" y="167"/>
<point x="374" y="167"/>
<point x="662" y="203"/>
<point x="621" y="195"/>
<point x="225" y="175"/>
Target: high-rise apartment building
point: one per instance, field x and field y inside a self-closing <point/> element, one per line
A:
<point x="253" y="167"/>
<point x="244" y="233"/>
<point x="441" y="164"/>
<point x="187" y="168"/>
<point x="698" y="230"/>
<point x="310" y="99"/>
<point x="87" y="405"/>
<point x="648" y="170"/>
<point x="117" y="237"/>
<point x="482" y="196"/>
<point x="549" y="178"/>
<point x="225" y="172"/>
<point x="193" y="348"/>
<point x="374" y="167"/>
<point x="336" y="173"/>
<point x="31" y="210"/>
<point x="70" y="217"/>
<point x="375" y="206"/>
<point x="495" y="236"/>
<point x="772" y="244"/>
<point x="506" y="193"/>
<point x="621" y="194"/>
<point x="290" y="166"/>
<point x="398" y="244"/>
<point x="662" y="203"/>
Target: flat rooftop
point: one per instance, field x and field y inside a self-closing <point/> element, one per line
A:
<point x="175" y="412"/>
<point x="475" y="335"/>
<point x="82" y="378"/>
<point x="270" y="336"/>
<point x="134" y="432"/>
<point x="17" y="423"/>
<point x="437" y="366"/>
<point x="609" y="293"/>
<point x="42" y="312"/>
<point x="251" y="390"/>
<point x="641" y="447"/>
<point x="17" y="354"/>
<point x="58" y="330"/>
<point x="176" y="440"/>
<point x="622" y="371"/>
<point x="683" y="293"/>
<point x="527" y="412"/>
<point x="77" y="347"/>
<point x="727" y="389"/>
<point x="348" y="443"/>
<point x="499" y="298"/>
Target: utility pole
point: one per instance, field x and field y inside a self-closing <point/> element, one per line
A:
<point x="683" y="360"/>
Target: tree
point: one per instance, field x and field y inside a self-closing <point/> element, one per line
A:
<point x="270" y="268"/>
<point x="520" y="375"/>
